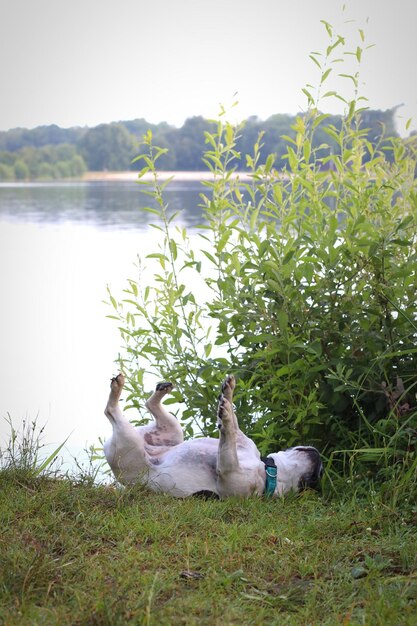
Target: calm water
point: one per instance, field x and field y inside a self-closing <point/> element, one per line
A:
<point x="60" y="245"/>
<point x="98" y="204"/>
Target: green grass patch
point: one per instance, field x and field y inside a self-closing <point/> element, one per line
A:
<point x="77" y="553"/>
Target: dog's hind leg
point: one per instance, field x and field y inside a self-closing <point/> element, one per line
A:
<point x="112" y="410"/>
<point x="167" y="430"/>
<point x="124" y="450"/>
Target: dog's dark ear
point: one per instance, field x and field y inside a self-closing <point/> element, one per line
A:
<point x="311" y="478"/>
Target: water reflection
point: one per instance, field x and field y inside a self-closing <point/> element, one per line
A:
<point x="60" y="245"/>
<point x="102" y="204"/>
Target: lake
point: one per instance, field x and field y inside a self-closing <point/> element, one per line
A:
<point x="61" y="244"/>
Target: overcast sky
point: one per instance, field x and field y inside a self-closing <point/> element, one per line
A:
<point x="83" y="62"/>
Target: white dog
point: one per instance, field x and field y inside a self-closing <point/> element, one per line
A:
<point x="157" y="455"/>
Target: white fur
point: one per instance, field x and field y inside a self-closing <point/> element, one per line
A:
<point x="157" y="455"/>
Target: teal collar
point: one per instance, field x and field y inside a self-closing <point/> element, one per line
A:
<point x="271" y="476"/>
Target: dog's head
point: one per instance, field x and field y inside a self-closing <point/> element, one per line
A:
<point x="297" y="468"/>
<point x="313" y="472"/>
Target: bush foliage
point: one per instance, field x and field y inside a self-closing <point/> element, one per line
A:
<point x="302" y="283"/>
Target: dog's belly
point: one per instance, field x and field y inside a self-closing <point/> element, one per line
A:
<point x="185" y="469"/>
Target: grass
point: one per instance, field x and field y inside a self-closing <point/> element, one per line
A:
<point x="77" y="553"/>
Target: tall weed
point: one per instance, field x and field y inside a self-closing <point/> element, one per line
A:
<point x="22" y="452"/>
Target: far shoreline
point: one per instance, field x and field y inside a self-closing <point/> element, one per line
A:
<point x="181" y="176"/>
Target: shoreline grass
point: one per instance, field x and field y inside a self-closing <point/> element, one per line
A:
<point x="78" y="553"/>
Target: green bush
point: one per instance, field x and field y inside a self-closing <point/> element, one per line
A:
<point x="307" y="281"/>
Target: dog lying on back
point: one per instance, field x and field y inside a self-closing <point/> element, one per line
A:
<point x="157" y="455"/>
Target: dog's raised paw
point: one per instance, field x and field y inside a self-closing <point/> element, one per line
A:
<point x="223" y="412"/>
<point x="165" y="386"/>
<point x="229" y="384"/>
<point x="117" y="382"/>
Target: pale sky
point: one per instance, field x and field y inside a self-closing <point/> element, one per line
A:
<point x="84" y="62"/>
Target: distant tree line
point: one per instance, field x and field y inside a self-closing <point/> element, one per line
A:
<point x="46" y="163"/>
<point x="51" y="152"/>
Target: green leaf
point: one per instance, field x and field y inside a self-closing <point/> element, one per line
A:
<point x="306" y="150"/>
<point x="288" y="138"/>
<point x="173" y="248"/>
<point x="328" y="27"/>
<point x="282" y="317"/>
<point x="292" y="159"/>
<point x="272" y="284"/>
<point x="310" y="98"/>
<point x="157" y="255"/>
<point x="150" y="210"/>
<point x="277" y="192"/>
<point x="270" y="162"/>
<point x="288" y="256"/>
<point x="313" y="58"/>
<point x="46" y="463"/>
<point x="352" y="78"/>
<point x="223" y="241"/>
<point x="326" y="74"/>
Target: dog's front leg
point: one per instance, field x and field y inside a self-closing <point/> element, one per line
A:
<point x="228" y="388"/>
<point x="239" y="470"/>
<point x="227" y="459"/>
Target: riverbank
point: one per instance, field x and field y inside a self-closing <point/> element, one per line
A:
<point x="77" y="553"/>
